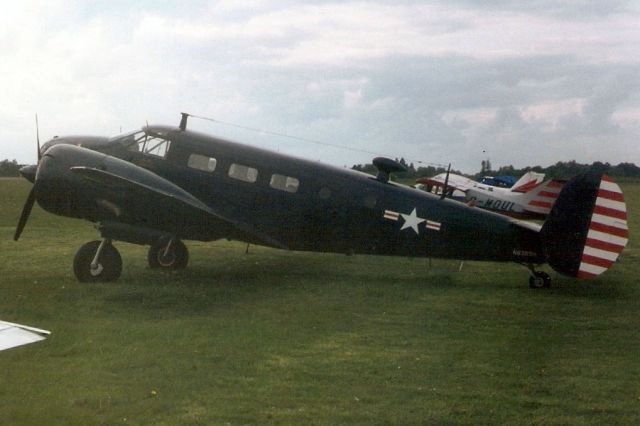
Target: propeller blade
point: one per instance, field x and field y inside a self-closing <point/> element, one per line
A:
<point x="38" y="138"/>
<point x="26" y="211"/>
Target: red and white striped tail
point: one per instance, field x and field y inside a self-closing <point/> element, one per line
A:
<point x="608" y="231"/>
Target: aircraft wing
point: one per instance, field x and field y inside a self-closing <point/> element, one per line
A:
<point x="165" y="193"/>
<point x="458" y="182"/>
<point x="12" y="335"/>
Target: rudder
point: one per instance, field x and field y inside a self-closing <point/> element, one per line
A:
<point x="587" y="228"/>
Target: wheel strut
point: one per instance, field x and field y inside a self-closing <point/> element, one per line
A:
<point x="168" y="255"/>
<point x="95" y="263"/>
<point x="168" y="247"/>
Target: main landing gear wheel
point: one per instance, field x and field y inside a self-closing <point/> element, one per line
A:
<point x="539" y="279"/>
<point x="168" y="255"/>
<point x="105" y="267"/>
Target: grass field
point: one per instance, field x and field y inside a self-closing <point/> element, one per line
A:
<point x="276" y="337"/>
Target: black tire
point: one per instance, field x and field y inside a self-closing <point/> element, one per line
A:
<point x="540" y="280"/>
<point x="176" y="258"/>
<point x="109" y="263"/>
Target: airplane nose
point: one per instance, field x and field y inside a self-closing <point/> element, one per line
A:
<point x="29" y="172"/>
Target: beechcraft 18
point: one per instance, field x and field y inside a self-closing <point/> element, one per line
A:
<point x="161" y="185"/>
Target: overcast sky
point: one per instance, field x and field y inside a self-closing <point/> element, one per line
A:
<point x="520" y="83"/>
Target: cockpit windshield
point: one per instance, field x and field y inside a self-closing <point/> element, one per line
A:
<point x="143" y="142"/>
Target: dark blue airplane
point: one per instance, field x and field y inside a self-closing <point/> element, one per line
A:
<point x="499" y="181"/>
<point x="161" y="185"/>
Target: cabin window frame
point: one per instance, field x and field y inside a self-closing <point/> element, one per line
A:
<point x="284" y="183"/>
<point x="243" y="173"/>
<point x="203" y="163"/>
<point x="148" y="144"/>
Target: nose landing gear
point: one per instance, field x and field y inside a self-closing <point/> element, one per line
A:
<point x="97" y="261"/>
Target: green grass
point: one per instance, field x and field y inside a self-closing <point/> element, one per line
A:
<point x="276" y="337"/>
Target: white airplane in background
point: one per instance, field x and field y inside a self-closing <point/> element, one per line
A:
<point x="531" y="197"/>
<point x="12" y="335"/>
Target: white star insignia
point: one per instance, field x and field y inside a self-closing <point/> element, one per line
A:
<point x="411" y="221"/>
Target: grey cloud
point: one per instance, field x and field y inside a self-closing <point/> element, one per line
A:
<point x="574" y="9"/>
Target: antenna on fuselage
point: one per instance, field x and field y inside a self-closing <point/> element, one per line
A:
<point x="183" y="121"/>
<point x="385" y="167"/>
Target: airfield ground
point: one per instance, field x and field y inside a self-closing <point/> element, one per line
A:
<point x="298" y="338"/>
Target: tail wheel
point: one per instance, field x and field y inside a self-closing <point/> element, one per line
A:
<point x="168" y="255"/>
<point x="540" y="279"/>
<point x="107" y="268"/>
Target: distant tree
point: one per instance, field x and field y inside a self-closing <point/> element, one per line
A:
<point x="485" y="167"/>
<point x="625" y="170"/>
<point x="599" y="167"/>
<point x="506" y="171"/>
<point x="366" y="168"/>
<point x="9" y="168"/>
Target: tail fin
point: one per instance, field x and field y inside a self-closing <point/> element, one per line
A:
<point x="527" y="182"/>
<point x="542" y="197"/>
<point x="587" y="227"/>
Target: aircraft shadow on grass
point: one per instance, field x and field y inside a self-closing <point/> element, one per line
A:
<point x="161" y="185"/>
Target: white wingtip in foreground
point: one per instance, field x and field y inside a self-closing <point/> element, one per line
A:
<point x="12" y="335"/>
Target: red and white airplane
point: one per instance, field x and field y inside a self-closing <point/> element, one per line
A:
<point x="531" y="197"/>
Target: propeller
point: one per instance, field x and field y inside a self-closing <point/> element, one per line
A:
<point x="31" y="198"/>
<point x="38" y="138"/>
<point x="26" y="210"/>
<point x="445" y="188"/>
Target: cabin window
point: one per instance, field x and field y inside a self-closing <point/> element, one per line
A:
<point x="243" y="173"/>
<point x="202" y="162"/>
<point x="284" y="183"/>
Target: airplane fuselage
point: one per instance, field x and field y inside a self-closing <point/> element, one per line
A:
<point x="296" y="204"/>
<point x="494" y="198"/>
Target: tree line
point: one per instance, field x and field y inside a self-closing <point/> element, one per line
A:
<point x="411" y="173"/>
<point x="568" y="169"/>
<point x="9" y="168"/>
<point x="560" y="170"/>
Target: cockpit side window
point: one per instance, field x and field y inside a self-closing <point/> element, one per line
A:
<point x="146" y="144"/>
<point x="129" y="140"/>
<point x="157" y="146"/>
